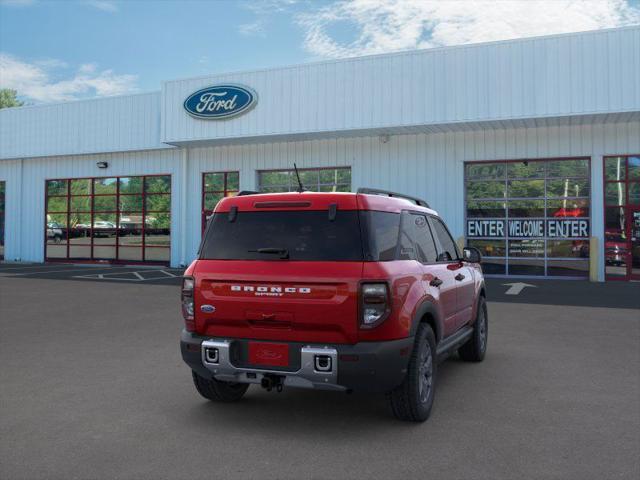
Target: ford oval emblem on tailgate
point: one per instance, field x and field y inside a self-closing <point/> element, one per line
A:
<point x="207" y="308"/>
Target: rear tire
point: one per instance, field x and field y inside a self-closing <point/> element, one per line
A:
<point x="217" y="391"/>
<point x="476" y="347"/>
<point x="412" y="400"/>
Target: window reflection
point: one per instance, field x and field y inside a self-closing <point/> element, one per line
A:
<point x="536" y="204"/>
<point x="107" y="219"/>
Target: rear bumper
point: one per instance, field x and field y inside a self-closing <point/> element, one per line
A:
<point x="365" y="366"/>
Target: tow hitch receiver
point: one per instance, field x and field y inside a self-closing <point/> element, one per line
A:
<point x="269" y="382"/>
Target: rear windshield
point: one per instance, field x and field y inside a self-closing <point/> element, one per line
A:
<point x="284" y="235"/>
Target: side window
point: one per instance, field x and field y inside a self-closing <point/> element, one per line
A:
<point x="407" y="241"/>
<point x="423" y="239"/>
<point x="383" y="229"/>
<point x="449" y="250"/>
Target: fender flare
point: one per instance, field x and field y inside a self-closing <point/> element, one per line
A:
<point x="427" y="307"/>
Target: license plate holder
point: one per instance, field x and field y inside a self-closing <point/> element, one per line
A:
<point x="269" y="354"/>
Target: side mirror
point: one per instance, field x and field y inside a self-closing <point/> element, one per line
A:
<point x="471" y="255"/>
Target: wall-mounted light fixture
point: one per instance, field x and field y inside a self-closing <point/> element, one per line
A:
<point x="102" y="164"/>
<point x="384" y="138"/>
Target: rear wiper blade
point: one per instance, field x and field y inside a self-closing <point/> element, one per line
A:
<point x="283" y="252"/>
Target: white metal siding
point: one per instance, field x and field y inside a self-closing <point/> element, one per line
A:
<point x="547" y="77"/>
<point x="91" y="126"/>
<point x="429" y="165"/>
<point x="25" y="201"/>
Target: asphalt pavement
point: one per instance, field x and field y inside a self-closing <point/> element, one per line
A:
<point x="92" y="386"/>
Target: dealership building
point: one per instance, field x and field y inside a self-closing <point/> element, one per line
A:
<point x="529" y="149"/>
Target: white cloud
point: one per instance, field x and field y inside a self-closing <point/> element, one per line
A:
<point x="104" y="5"/>
<point x="36" y="81"/>
<point x="252" y="29"/>
<point x="390" y="25"/>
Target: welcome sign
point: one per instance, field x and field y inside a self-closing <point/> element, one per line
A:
<point x="528" y="228"/>
<point x="220" y="101"/>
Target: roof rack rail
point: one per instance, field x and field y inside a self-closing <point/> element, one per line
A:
<point x="242" y="193"/>
<point x="375" y="191"/>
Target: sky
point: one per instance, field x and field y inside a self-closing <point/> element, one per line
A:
<point x="59" y="50"/>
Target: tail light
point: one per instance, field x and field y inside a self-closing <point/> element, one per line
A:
<point x="374" y="304"/>
<point x="187" y="303"/>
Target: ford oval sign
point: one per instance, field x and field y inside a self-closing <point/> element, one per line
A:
<point x="220" y="101"/>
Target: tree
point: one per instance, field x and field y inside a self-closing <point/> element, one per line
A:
<point x="8" y="98"/>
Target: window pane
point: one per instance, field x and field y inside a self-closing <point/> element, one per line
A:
<point x="526" y="248"/>
<point x="80" y="204"/>
<point x="567" y="208"/>
<point x="615" y="168"/>
<point x="526" y="169"/>
<point x="526" y="267"/>
<point x="158" y="221"/>
<point x="158" y="184"/>
<point x="105" y="185"/>
<point x="344" y="175"/>
<point x="56" y="233"/>
<point x="158" y="237"/>
<point x="633" y="168"/>
<point x="309" y="178"/>
<point x="526" y="208"/>
<point x="485" y="171"/>
<point x="56" y="187"/>
<point x="130" y="253"/>
<point x="268" y="179"/>
<point x="57" y="204"/>
<point x="58" y="219"/>
<point x="634" y="193"/>
<point x="158" y="203"/>
<point x="104" y="221"/>
<point x="81" y="187"/>
<point x="568" y="248"/>
<point x="157" y="254"/>
<point x="485" y="209"/>
<point x="105" y="204"/>
<point x="614" y="221"/>
<point x="526" y="188"/>
<point x="131" y="184"/>
<point x="449" y="249"/>
<point x="104" y="252"/>
<point x="214" y="182"/>
<point x="56" y="250"/>
<point x="614" y="193"/>
<point x="568" y="268"/>
<point x="130" y="237"/>
<point x="487" y="189"/>
<point x="568" y="168"/>
<point x="418" y="228"/>
<point x="306" y="235"/>
<point x="211" y="200"/>
<point x="79" y="252"/>
<point x="233" y="181"/>
<point x="131" y="203"/>
<point x="489" y="248"/>
<point x="383" y="228"/>
<point x="568" y="188"/>
<point x="493" y="266"/>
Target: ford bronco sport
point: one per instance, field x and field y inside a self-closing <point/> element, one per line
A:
<point x="335" y="291"/>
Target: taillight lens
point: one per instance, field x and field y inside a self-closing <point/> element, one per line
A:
<point x="187" y="303"/>
<point x="374" y="304"/>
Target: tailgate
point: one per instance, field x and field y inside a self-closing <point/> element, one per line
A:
<point x="314" y="302"/>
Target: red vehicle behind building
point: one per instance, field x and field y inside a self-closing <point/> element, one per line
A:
<point x="335" y="291"/>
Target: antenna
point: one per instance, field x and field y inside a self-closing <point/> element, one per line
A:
<point x="300" y="186"/>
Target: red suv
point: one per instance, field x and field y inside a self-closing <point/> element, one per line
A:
<point x="334" y="291"/>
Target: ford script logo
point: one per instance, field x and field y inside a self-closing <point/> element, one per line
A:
<point x="220" y="101"/>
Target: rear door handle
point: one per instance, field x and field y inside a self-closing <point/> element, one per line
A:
<point x="436" y="282"/>
<point x="459" y="277"/>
